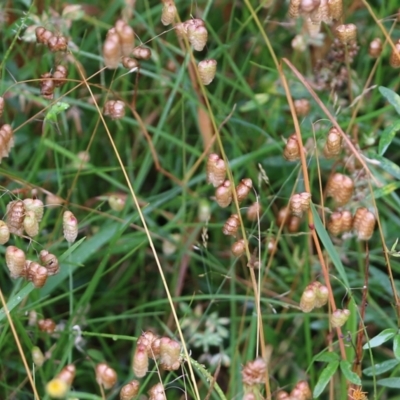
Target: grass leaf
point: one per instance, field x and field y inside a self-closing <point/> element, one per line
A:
<point x="392" y="97"/>
<point x="387" y="136"/>
<point x="325" y="377"/>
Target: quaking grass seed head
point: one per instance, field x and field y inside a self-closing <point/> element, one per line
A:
<point x="294" y="8"/>
<point x="375" y="48"/>
<point x="170" y="351"/>
<point x="223" y="194"/>
<point x="60" y="75"/>
<point x="47" y="86"/>
<point x="335" y="9"/>
<point x="333" y="143"/>
<point x="31" y="225"/>
<point x="112" y="50"/>
<point x="346" y="33"/>
<point x="50" y="262"/>
<point x="207" y="70"/>
<point x="215" y="170"/>
<point x="130" y="390"/>
<point x="4" y="233"/>
<point x="308" y="299"/>
<point x="46" y="325"/>
<point x="140" y="362"/>
<point x="141" y="53"/>
<point x="238" y="248"/>
<point x="394" y="59"/>
<point x="43" y="35"/>
<point x="340" y="187"/>
<point x="308" y="6"/>
<point x="67" y="374"/>
<point x="364" y="223"/>
<point x="254" y="211"/>
<point x="36" y="206"/>
<point x="254" y="372"/>
<point x="35" y="273"/>
<point x="105" y="376"/>
<point x="115" y="109"/>
<point x="339" y="317"/>
<point x="302" y="107"/>
<point x="6" y="140"/>
<point x="57" y="43"/>
<point x="130" y="63"/>
<point x="243" y="189"/>
<point x="37" y="356"/>
<point x="15" y="261"/>
<point x="291" y="152"/>
<point x="231" y="225"/>
<point x="169" y="12"/>
<point x="157" y="392"/>
<point x="126" y="37"/>
<point x="1" y="105"/>
<point x="300" y="203"/>
<point x="282" y="395"/>
<point x="70" y="226"/>
<point x="305" y="391"/>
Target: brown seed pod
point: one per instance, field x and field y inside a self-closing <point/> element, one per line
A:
<point x="294" y="8"/>
<point x="170" y="351"/>
<point x="169" y="12"/>
<point x="156" y="392"/>
<point x="130" y="63"/>
<point x="36" y="206"/>
<point x="254" y="372"/>
<point x="141" y="53"/>
<point x="130" y="390"/>
<point x="305" y="391"/>
<point x="322" y="293"/>
<point x="335" y="9"/>
<point x="223" y="194"/>
<point x="254" y="211"/>
<point x="394" y="59"/>
<point x="15" y="260"/>
<point x="35" y="273"/>
<point x="1" y="105"/>
<point x="333" y="143"/>
<point x="334" y="224"/>
<point x="151" y="342"/>
<point x="57" y="43"/>
<point x="6" y="140"/>
<point x="60" y="75"/>
<point x="112" y="50"/>
<point x="140" y="362"/>
<point x="283" y="216"/>
<point x="37" y="356"/>
<point x="70" y="226"/>
<point x="339" y="317"/>
<point x="47" y="86"/>
<point x="340" y="187"/>
<point x="346" y="33"/>
<point x="294" y="224"/>
<point x="244" y="188"/>
<point x="347" y="221"/>
<point x="291" y="151"/>
<point x="126" y="37"/>
<point x="302" y="107"/>
<point x="308" y="299"/>
<point x="300" y="203"/>
<point x="375" y="48"/>
<point x="364" y="223"/>
<point x="46" y="325"/>
<point x="197" y="36"/>
<point x="31" y="225"/>
<point x="238" y="248"/>
<point x="308" y="6"/>
<point x="42" y="35"/>
<point x="282" y="395"/>
<point x="67" y="374"/>
<point x="231" y="225"/>
<point x="115" y="109"/>
<point x="207" y="70"/>
<point x="4" y="233"/>
<point x="50" y="262"/>
<point x="216" y="170"/>
<point x="105" y="376"/>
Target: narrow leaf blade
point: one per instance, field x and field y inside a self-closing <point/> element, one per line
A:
<point x="325" y="377"/>
<point x="390" y="382"/>
<point x="381" y="338"/>
<point x="351" y="376"/>
<point x="381" y="368"/>
<point x="392" y="97"/>
<point x="387" y="165"/>
<point x="396" y="346"/>
<point x="326" y="357"/>
<point x="387" y="136"/>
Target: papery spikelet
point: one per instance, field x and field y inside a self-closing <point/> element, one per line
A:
<point x="308" y="299"/>
<point x="1" y="105"/>
<point x="47" y="86"/>
<point x="43" y="35"/>
<point x="57" y="389"/>
<point x="169" y="12"/>
<point x="300" y="203"/>
<point x="346" y="33"/>
<point x="238" y="248"/>
<point x="291" y="151"/>
<point x="244" y="188"/>
<point x="294" y="8"/>
<point x="305" y="391"/>
<point x="334" y="224"/>
<point x="282" y="395"/>
<point x="114" y="109"/>
<point x="223" y="194"/>
<point x="333" y="143"/>
<point x="130" y="63"/>
<point x="70" y="226"/>
<point x="67" y="374"/>
<point x="364" y="223"/>
<point x="340" y="187"/>
<point x="308" y="6"/>
<point x="156" y="392"/>
<point x="37" y="356"/>
<point x="335" y="9"/>
<point x="4" y="233"/>
<point x="105" y="376"/>
<point x="60" y="75"/>
<point x="126" y="37"/>
<point x="140" y="361"/>
<point x="130" y="390"/>
<point x="117" y="201"/>
<point x="325" y="12"/>
<point x="302" y="107"/>
<point x="46" y="325"/>
<point x="231" y="225"/>
<point x="254" y="211"/>
<point x="207" y="70"/>
<point x="346" y="221"/>
<point x="170" y="351"/>
<point x="57" y="43"/>
<point x="197" y="33"/>
<point x="36" y="206"/>
<point x="322" y="293"/>
<point x="375" y="48"/>
<point x="15" y="260"/>
<point x="50" y="262"/>
<point x="394" y="59"/>
<point x="339" y="317"/>
<point x="35" y="273"/>
<point x="151" y="342"/>
<point x="112" y="50"/>
<point x="141" y="53"/>
<point x="6" y="140"/>
<point x="216" y="170"/>
<point x="254" y="372"/>
<point x="31" y="224"/>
